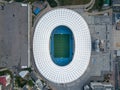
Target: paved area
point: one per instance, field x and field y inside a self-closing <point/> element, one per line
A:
<point x="13" y="35"/>
<point x="116" y="31"/>
<point x="100" y="28"/>
<point x="116" y="36"/>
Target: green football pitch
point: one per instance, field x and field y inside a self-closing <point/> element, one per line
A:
<point x="61" y="45"/>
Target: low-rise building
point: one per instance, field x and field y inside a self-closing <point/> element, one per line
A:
<point x="118" y="53"/>
<point x="101" y="86"/>
<point x="37" y="81"/>
<point x="23" y="73"/>
<point x="5" y="80"/>
<point x="117" y="21"/>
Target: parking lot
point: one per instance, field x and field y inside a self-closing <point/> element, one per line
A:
<point x="13" y="35"/>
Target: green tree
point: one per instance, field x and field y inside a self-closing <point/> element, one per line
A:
<point x="30" y="83"/>
<point x="20" y="81"/>
<point x="19" y="0"/>
<point x="52" y="3"/>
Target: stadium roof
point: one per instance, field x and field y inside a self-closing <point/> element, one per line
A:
<point x="81" y="58"/>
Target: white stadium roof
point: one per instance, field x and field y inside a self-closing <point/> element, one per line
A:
<point x="41" y="41"/>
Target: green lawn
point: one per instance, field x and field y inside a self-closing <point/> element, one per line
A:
<point x="61" y="45"/>
<point x="73" y="2"/>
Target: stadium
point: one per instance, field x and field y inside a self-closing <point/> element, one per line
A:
<point x="62" y="45"/>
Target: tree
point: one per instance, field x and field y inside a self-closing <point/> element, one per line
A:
<point x="19" y="0"/>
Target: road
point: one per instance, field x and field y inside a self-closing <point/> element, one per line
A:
<point x="77" y="6"/>
<point x="99" y="13"/>
<point x="116" y="75"/>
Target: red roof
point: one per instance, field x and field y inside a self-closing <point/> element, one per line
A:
<point x="3" y="81"/>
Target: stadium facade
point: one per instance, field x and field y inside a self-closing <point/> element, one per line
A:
<point x="62" y="45"/>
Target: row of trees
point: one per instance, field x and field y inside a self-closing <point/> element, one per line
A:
<point x="31" y="1"/>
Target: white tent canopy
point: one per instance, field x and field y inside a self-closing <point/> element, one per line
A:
<point x="81" y="58"/>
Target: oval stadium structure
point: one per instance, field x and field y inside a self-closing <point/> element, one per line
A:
<point x="62" y="46"/>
